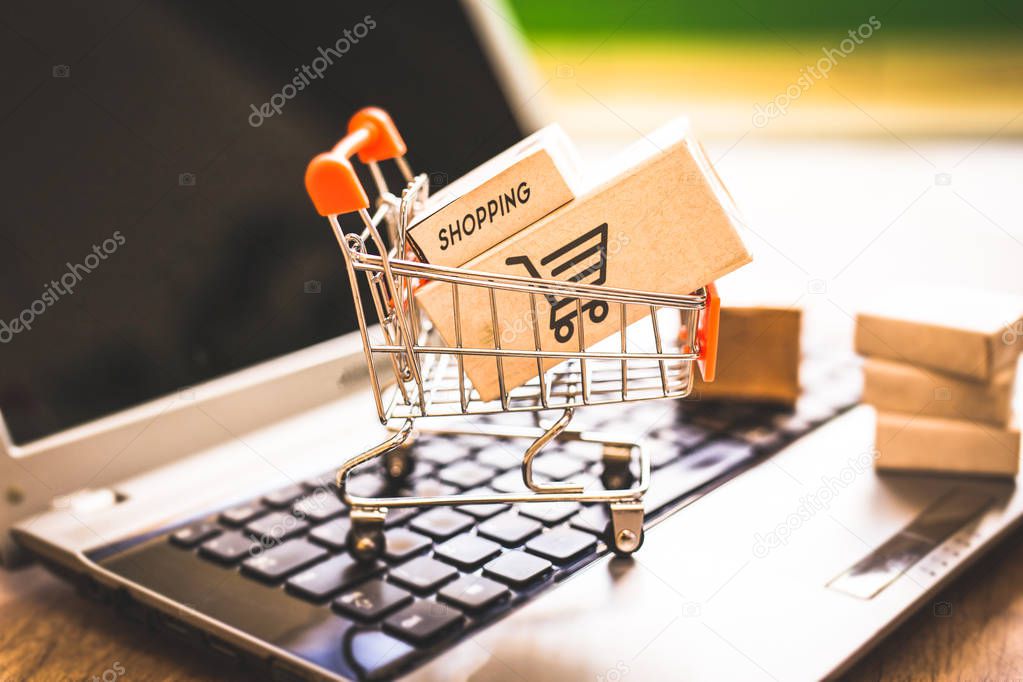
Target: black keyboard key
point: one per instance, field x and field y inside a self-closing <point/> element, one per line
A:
<point x="592" y="520"/>
<point x="424" y="621"/>
<point x="333" y="534"/>
<point x="483" y="511"/>
<point x="557" y="467"/>
<point x="190" y="536"/>
<point x="372" y="600"/>
<point x="562" y="545"/>
<point x="509" y="529"/>
<point x="467" y="551"/>
<point x="228" y="547"/>
<point x="399" y="515"/>
<point x="473" y="592"/>
<point x="284" y="496"/>
<point x="320" y="506"/>
<point x="422" y="469"/>
<point x="402" y="543"/>
<point x="440" y="451"/>
<point x="423" y="574"/>
<point x="441" y="523"/>
<point x="511" y="482"/>
<point x="551" y="513"/>
<point x="474" y="441"/>
<point x="322" y="482"/>
<point x="367" y="485"/>
<point x="718" y="451"/>
<point x="274" y="564"/>
<point x="502" y="455"/>
<point x="242" y="514"/>
<point x="517" y="569"/>
<point x="430" y="487"/>
<point x="467" y="474"/>
<point x="334" y="575"/>
<point x="276" y="527"/>
<point x="587" y="452"/>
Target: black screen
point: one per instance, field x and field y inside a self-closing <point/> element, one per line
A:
<point x="156" y="232"/>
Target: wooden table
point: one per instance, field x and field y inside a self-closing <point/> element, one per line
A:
<point x="48" y="632"/>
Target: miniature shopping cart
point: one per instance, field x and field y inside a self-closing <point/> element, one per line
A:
<point x="414" y="373"/>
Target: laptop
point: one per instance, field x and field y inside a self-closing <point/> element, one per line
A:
<point x="191" y="377"/>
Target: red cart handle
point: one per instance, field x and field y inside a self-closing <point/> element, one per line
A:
<point x="330" y="178"/>
<point x="707" y="334"/>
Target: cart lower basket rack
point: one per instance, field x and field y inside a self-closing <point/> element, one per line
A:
<point x="414" y="374"/>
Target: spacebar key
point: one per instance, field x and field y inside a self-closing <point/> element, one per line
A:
<point x="711" y="461"/>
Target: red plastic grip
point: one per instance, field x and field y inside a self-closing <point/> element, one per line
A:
<point x="707" y="334"/>
<point x="384" y="141"/>
<point x="331" y="180"/>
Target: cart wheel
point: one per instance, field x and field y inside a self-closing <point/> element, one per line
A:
<point x="624" y="533"/>
<point x="623" y="546"/>
<point x="398" y="464"/>
<point x="563" y="330"/>
<point x="617" y="476"/>
<point x="366" y="542"/>
<point x="598" y="311"/>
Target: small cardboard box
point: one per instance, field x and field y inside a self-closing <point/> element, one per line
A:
<point x="497" y="199"/>
<point x="914" y="443"/>
<point x="893" y="386"/>
<point x="971" y="334"/>
<point x="758" y="355"/>
<point x="663" y="224"/>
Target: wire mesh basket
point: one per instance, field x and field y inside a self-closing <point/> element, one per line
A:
<point x="416" y="373"/>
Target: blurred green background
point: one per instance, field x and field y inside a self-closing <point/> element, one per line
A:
<point x="944" y="68"/>
<point x="752" y="17"/>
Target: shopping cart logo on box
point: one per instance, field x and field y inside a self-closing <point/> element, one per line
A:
<point x="585" y="259"/>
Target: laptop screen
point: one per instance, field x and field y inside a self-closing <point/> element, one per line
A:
<point x="156" y="230"/>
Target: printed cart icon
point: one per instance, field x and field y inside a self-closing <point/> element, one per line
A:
<point x="585" y="258"/>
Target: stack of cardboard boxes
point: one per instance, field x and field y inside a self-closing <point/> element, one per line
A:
<point x="940" y="368"/>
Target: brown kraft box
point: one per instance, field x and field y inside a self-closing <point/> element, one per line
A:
<point x="497" y="199"/>
<point x="971" y="334"/>
<point x="758" y="355"/>
<point x="892" y="386"/>
<point x="914" y="443"/>
<point x="663" y="223"/>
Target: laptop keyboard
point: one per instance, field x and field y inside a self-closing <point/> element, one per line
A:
<point x="448" y="571"/>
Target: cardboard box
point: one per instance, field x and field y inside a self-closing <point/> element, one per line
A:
<point x="758" y="355"/>
<point x="663" y="224"/>
<point x="971" y="334"/>
<point x="893" y="386"/>
<point x="915" y="443"/>
<point x="497" y="199"/>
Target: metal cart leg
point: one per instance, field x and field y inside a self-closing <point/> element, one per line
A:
<point x="365" y="538"/>
<point x="398" y="463"/>
<point x="625" y="531"/>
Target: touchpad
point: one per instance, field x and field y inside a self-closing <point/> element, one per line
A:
<point x="929" y="529"/>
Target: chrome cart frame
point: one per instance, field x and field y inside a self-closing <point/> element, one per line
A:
<point x="423" y="376"/>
